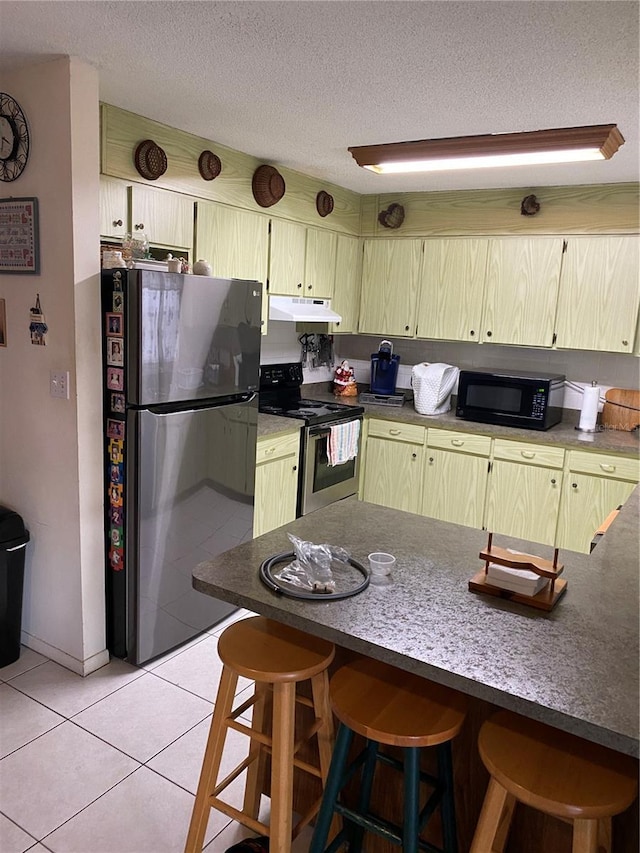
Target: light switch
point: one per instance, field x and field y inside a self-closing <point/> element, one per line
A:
<point x="59" y="384"/>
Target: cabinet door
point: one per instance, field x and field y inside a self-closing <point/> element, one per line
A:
<point x="166" y="218"/>
<point x="287" y="258"/>
<point x="346" y="287"/>
<point x="523" y="501"/>
<point x="390" y="276"/>
<point x="320" y="263"/>
<point x="393" y="474"/>
<point x="113" y="208"/>
<point x="455" y="486"/>
<point x="599" y="294"/>
<point x="452" y="287"/>
<point x="276" y="491"/>
<point x="586" y="502"/>
<point x="521" y="291"/>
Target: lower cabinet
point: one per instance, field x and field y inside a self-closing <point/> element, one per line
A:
<point x="523" y="497"/>
<point x="276" y="491"/>
<point x="455" y="476"/>
<point x="393" y="470"/>
<point x="594" y="485"/>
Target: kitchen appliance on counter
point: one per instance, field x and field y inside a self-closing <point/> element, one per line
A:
<point x="320" y="483"/>
<point x="181" y="371"/>
<point x="432" y="386"/>
<point x="384" y="370"/>
<point x="511" y="398"/>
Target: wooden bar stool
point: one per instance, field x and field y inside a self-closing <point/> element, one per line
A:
<point x="276" y="657"/>
<point x="555" y="772"/>
<point x="389" y="706"/>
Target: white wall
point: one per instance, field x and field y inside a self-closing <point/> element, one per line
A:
<point x="50" y="456"/>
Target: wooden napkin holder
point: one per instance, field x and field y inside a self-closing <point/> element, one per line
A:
<point x="548" y="596"/>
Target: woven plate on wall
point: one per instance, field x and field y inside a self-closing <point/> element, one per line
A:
<point x="268" y="185"/>
<point x="209" y="165"/>
<point x="324" y="203"/>
<point x="392" y="217"/>
<point x="150" y="160"/>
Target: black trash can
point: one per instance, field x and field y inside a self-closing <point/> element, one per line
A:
<point x="13" y="542"/>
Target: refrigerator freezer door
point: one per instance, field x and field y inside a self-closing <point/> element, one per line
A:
<point x="190" y="497"/>
<point x="190" y="337"/>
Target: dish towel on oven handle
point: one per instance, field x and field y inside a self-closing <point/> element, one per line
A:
<point x="342" y="444"/>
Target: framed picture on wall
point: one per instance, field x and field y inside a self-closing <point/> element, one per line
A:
<point x="3" y="323"/>
<point x="19" y="237"/>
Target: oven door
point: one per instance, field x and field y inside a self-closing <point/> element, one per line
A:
<point x="322" y="484"/>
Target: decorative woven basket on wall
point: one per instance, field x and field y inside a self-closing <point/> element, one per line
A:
<point x="150" y="160"/>
<point x="268" y="185"/>
<point x="209" y="165"/>
<point x="324" y="203"/>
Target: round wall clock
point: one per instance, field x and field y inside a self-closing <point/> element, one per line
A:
<point x="14" y="139"/>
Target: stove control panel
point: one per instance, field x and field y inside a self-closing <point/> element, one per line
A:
<point x="281" y="375"/>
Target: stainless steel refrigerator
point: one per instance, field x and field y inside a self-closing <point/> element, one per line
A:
<point x="181" y="357"/>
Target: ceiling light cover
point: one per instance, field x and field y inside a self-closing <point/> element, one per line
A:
<point x="560" y="145"/>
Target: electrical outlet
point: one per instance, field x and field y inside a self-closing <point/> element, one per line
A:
<point x="59" y="383"/>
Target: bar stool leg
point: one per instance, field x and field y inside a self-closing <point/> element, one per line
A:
<point x="411" y="799"/>
<point x="585" y="836"/>
<point x="447" y="804"/>
<point x="332" y="789"/>
<point x="356" y="835"/>
<point x="211" y="761"/>
<point x="255" y="770"/>
<point x="322" y="711"/>
<point x="494" y="819"/>
<point x="604" y="835"/>
<point x="284" y="712"/>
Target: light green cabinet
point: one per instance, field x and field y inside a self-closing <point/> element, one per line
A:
<point x="393" y="471"/>
<point x="455" y="476"/>
<point x="452" y="289"/>
<point x="390" y="280"/>
<point x="301" y="260"/>
<point x="320" y="263"/>
<point x="276" y="484"/>
<point x="594" y="485"/>
<point x="521" y="291"/>
<point x="165" y="218"/>
<point x="599" y="294"/>
<point x="346" y="288"/>
<point x="523" y="496"/>
<point x="114" y="208"/>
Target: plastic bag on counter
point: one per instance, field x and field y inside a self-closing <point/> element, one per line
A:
<point x="312" y="566"/>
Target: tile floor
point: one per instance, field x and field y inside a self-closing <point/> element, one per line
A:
<point x="110" y="763"/>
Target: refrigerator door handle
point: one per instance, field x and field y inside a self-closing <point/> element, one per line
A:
<point x="167" y="410"/>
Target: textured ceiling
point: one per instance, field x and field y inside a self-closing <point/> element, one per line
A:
<point x="298" y="82"/>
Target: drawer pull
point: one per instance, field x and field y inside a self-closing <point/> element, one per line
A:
<point x="457" y="442"/>
<point x="117" y="223"/>
<point x="528" y="454"/>
<point x="270" y="450"/>
<point x="414" y="455"/>
<point x="553" y="482"/>
<point x="395" y="431"/>
<point x="574" y="485"/>
<point x="608" y="468"/>
<point x="431" y="460"/>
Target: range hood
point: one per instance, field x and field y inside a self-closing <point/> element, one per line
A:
<point x="299" y="310"/>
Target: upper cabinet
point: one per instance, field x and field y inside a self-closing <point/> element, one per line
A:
<point x="166" y="218"/>
<point x="346" y="289"/>
<point x="599" y="294"/>
<point x="301" y="260"/>
<point x="390" y="280"/>
<point x="451" y="289"/>
<point x="114" y="208"/>
<point x="521" y="291"/>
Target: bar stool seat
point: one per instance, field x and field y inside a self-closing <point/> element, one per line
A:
<point x="557" y="773"/>
<point x="389" y="706"/>
<point x="276" y="657"/>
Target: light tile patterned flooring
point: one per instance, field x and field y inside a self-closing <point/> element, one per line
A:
<point x="110" y="763"/>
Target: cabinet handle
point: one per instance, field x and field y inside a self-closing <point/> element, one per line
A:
<point x="472" y="333"/>
<point x="117" y="223"/>
<point x="139" y="226"/>
<point x="395" y="431"/>
<point x="414" y="455"/>
<point x="489" y="334"/>
<point x="457" y="442"/>
<point x="528" y="454"/>
<point x="553" y="482"/>
<point x="609" y="468"/>
<point x="270" y="450"/>
<point x="300" y="284"/>
<point x="431" y="460"/>
<point x="308" y="287"/>
<point x="406" y="328"/>
<point x="625" y="343"/>
<point x="295" y="468"/>
<point x="574" y="485"/>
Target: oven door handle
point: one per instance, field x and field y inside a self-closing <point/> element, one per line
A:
<point x="323" y="430"/>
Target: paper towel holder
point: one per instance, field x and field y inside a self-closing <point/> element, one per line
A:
<point x="595" y="427"/>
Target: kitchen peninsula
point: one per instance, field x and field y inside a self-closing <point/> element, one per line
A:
<point x="575" y="668"/>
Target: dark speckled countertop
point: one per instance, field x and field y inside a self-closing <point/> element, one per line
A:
<point x="575" y="668"/>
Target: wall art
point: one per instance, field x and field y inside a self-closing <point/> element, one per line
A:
<point x="19" y="237"/>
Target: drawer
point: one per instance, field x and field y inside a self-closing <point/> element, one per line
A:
<point x="616" y="467"/>
<point x="464" y="442"/>
<point x="530" y="454"/>
<point x="277" y="446"/>
<point x="412" y="433"/>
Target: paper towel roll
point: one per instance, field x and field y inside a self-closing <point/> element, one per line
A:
<point x="589" y="410"/>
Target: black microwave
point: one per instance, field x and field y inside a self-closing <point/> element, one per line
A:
<point x="509" y="398"/>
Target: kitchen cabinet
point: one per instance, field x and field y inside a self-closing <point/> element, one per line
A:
<point x="594" y="485"/>
<point x="521" y="291"/>
<point x="393" y="470"/>
<point x="236" y="244"/>
<point x="276" y="484"/>
<point x="346" y="288"/>
<point x="599" y="294"/>
<point x="523" y="496"/>
<point x="390" y="280"/>
<point x="452" y="289"/>
<point x="164" y="217"/>
<point x="114" y="209"/>
<point x="301" y="260"/>
<point x="455" y="476"/>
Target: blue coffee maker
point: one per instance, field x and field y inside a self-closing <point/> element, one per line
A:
<point x="384" y="369"/>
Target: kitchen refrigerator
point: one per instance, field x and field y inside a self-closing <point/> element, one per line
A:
<point x="181" y="357"/>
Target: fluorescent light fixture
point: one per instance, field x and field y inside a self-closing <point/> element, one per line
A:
<point x="561" y="145"/>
